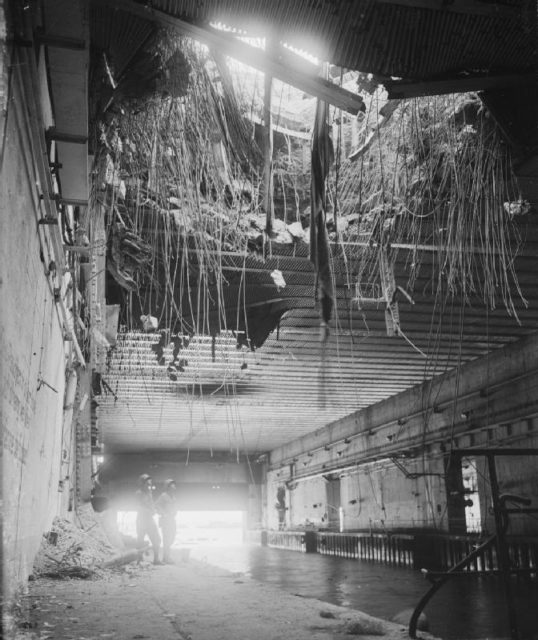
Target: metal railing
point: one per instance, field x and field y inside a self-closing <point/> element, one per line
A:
<point x="395" y="549"/>
<point x="417" y="550"/>
<point x="293" y="540"/>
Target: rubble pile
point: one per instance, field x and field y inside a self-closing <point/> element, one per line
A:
<point x="68" y="550"/>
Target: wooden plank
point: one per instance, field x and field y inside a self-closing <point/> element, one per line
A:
<point x="277" y="128"/>
<point x="60" y="42"/>
<point x="401" y="89"/>
<point x="470" y="7"/>
<point x="285" y="69"/>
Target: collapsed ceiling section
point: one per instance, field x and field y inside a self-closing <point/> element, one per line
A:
<point x="218" y="300"/>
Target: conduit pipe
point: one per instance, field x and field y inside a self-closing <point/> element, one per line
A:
<point x="68" y="324"/>
<point x="35" y="122"/>
<point x="69" y="399"/>
<point x="68" y="406"/>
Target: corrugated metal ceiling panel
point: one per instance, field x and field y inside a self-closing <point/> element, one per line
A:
<point x="381" y="37"/>
<point x="230" y="399"/>
<point x="292" y="385"/>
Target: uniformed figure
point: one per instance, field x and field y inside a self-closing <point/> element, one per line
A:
<point x="145" y="524"/>
<point x="167" y="508"/>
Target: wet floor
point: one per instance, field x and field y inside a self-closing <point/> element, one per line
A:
<point x="464" y="608"/>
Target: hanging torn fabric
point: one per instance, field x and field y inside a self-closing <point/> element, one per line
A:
<point x="322" y="158"/>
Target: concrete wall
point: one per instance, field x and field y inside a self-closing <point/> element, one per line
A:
<point x="374" y="496"/>
<point x="390" y="459"/>
<point x="483" y="395"/>
<point x="409" y="495"/>
<point x="308" y="503"/>
<point x="516" y="475"/>
<point x="381" y="496"/>
<point x="36" y="453"/>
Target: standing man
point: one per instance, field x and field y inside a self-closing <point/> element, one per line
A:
<point x="145" y="524"/>
<point x="167" y="508"/>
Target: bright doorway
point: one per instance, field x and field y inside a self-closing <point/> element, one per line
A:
<point x="473" y="519"/>
<point x="210" y="528"/>
<point x="205" y="528"/>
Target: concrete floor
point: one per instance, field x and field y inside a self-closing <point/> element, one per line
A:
<point x="187" y="601"/>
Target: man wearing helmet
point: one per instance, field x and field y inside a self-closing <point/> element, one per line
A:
<point x="167" y="508"/>
<point x="145" y="524"/>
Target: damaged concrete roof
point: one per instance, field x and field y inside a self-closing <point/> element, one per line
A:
<point x="225" y="398"/>
<point x="212" y="395"/>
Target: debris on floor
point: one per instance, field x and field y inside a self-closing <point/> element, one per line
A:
<point x="72" y="551"/>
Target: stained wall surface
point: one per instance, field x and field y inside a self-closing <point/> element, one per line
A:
<point x="35" y="453"/>
<point x="374" y="496"/>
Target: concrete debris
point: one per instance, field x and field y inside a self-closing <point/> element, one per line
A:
<point x="149" y="323"/>
<point x="71" y="551"/>
<point x="517" y="208"/>
<point x="296" y="231"/>
<point x="97" y="526"/>
<point x="278" y="279"/>
<point x="183" y="221"/>
<point x="130" y="555"/>
<point x="365" y="626"/>
<point x="280" y="233"/>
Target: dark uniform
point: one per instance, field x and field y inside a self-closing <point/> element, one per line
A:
<point x="145" y="524"/>
<point x="167" y="508"/>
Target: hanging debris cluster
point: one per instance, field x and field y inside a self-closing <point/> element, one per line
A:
<point x="176" y="364"/>
<point x="156" y="70"/>
<point x="178" y="173"/>
<point x="128" y="255"/>
<point x="176" y="176"/>
<point x="433" y="176"/>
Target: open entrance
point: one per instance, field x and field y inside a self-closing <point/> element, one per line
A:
<point x="207" y="528"/>
<point x="463" y="500"/>
<point x="218" y="528"/>
<point x="469" y="474"/>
